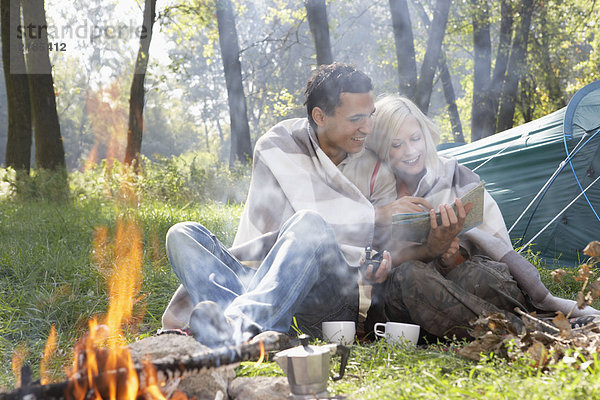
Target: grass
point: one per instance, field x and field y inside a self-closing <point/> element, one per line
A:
<point x="48" y="276"/>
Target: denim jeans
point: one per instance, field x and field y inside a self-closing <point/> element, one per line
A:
<point x="304" y="275"/>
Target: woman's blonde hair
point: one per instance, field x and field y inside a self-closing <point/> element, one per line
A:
<point x="390" y="113"/>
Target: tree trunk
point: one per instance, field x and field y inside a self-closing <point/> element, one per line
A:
<point x="516" y="68"/>
<point x="136" y="96"/>
<point x="49" y="151"/>
<point x="18" y="144"/>
<point x="405" y="48"/>
<point x="241" y="148"/>
<point x="482" y="114"/>
<point x="504" y="44"/>
<point x="449" y="94"/>
<point x="316" y="13"/>
<point x="551" y="81"/>
<point x="437" y="30"/>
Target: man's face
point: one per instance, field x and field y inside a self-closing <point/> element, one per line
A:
<point x="345" y="131"/>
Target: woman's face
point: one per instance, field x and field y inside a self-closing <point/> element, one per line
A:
<point x="407" y="154"/>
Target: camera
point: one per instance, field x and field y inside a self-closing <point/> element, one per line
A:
<point x="373" y="258"/>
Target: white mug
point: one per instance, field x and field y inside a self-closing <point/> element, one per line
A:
<point x="398" y="332"/>
<point x="339" y="331"/>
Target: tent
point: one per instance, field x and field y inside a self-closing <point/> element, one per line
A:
<point x="544" y="176"/>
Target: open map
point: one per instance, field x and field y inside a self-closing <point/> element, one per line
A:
<point x="414" y="227"/>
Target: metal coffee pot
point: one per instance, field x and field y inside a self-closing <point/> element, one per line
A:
<point x="307" y="367"/>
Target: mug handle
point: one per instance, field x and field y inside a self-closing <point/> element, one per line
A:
<point x="379" y="333"/>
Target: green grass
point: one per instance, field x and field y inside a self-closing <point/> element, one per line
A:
<point x="380" y="371"/>
<point x="48" y="277"/>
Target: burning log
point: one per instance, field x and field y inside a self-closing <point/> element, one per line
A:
<point x="167" y="368"/>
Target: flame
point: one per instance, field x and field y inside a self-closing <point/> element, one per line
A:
<point x="18" y="356"/>
<point x="48" y="350"/>
<point x="125" y="280"/>
<point x="102" y="365"/>
<point x="262" y="353"/>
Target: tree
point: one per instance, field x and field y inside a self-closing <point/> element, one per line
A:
<point x="405" y="47"/>
<point x="19" y="135"/>
<point x="407" y="67"/>
<point x="136" y="97"/>
<point x="448" y="88"/>
<point x="241" y="148"/>
<point x="316" y="13"/>
<point x="49" y="152"/>
<point x="486" y="88"/>
<point x="516" y="68"/>
<point x="437" y="30"/>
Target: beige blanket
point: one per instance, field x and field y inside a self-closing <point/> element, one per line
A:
<point x="291" y="173"/>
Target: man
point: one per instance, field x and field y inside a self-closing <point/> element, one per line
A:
<point x="304" y="223"/>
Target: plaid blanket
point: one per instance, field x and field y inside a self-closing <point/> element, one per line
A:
<point x="453" y="180"/>
<point x="291" y="173"/>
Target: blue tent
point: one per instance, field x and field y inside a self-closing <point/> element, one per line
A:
<point x="544" y="175"/>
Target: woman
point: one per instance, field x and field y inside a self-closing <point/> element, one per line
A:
<point x="466" y="274"/>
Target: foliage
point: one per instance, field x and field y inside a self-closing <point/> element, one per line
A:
<point x="192" y="177"/>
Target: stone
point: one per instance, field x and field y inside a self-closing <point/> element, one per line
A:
<point x="204" y="385"/>
<point x="259" y="388"/>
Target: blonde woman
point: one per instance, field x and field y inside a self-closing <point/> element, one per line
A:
<point x="452" y="277"/>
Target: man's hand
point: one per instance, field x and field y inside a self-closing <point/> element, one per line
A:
<point x="405" y="204"/>
<point x="442" y="236"/>
<point x="382" y="272"/>
<point x="449" y="257"/>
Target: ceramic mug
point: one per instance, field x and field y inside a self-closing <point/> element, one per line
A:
<point x="341" y="332"/>
<point x="397" y="332"/>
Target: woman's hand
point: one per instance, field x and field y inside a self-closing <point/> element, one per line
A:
<point x="405" y="204"/>
<point x="383" y="271"/>
<point x="442" y="236"/>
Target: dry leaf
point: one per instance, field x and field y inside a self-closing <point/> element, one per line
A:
<point x="584" y="273"/>
<point x="581" y="300"/>
<point x="487" y="343"/>
<point x="592" y="249"/>
<point x="557" y="274"/>
<point x="539" y="354"/>
<point x="562" y="323"/>
<point x="595" y="289"/>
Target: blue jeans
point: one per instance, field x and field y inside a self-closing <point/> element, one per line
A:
<point x="304" y="275"/>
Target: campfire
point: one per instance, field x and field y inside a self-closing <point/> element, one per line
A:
<point x="102" y="366"/>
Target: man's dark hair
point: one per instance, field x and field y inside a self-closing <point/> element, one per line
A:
<point x="328" y="82"/>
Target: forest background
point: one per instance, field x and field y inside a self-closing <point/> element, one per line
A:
<point x="537" y="51"/>
<point x="196" y="94"/>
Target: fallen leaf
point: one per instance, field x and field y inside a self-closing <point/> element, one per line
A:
<point x="592" y="249"/>
<point x="595" y="289"/>
<point x="581" y="300"/>
<point x="557" y="274"/>
<point x="562" y="323"/>
<point x="539" y="354"/>
<point x="487" y="343"/>
<point x="584" y="273"/>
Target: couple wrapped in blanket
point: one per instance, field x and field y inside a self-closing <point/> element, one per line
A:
<point x="317" y="197"/>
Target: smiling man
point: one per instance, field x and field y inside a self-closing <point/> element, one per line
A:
<point x="304" y="227"/>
